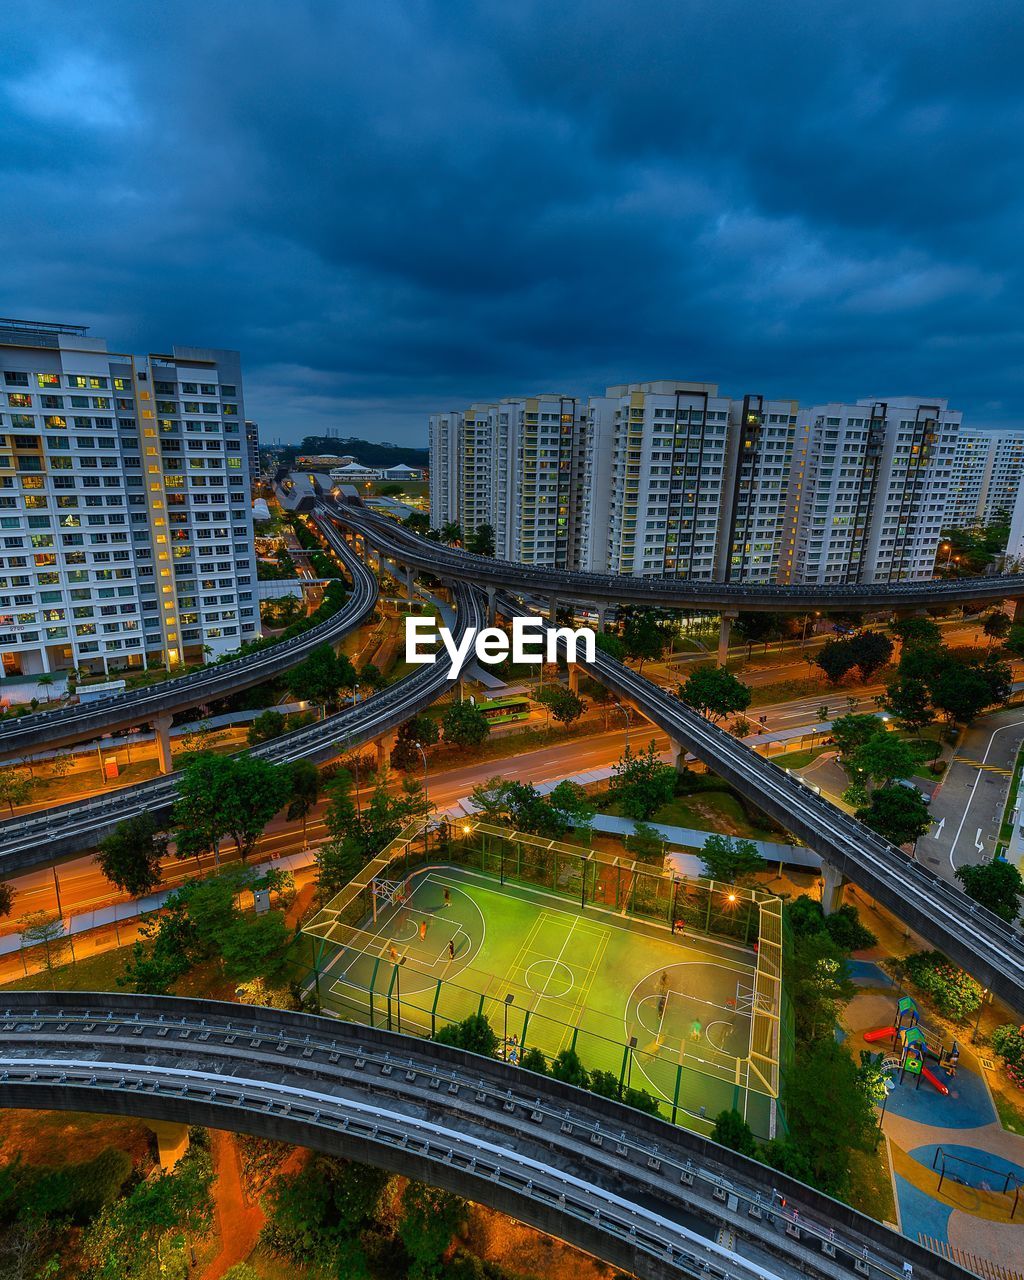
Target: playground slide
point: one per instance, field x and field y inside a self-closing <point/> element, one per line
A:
<point x="934" y="1080"/>
<point x="883" y="1033"/>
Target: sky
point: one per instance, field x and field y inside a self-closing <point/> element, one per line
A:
<point x="396" y="208"/>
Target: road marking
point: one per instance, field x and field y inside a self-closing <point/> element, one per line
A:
<point x="979" y="844"/>
<point x="938" y="829"/>
<point x="992" y="768"/>
<point x="1014" y="724"/>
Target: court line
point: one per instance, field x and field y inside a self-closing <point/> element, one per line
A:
<point x="588" y="981"/>
<point x="565" y="943"/>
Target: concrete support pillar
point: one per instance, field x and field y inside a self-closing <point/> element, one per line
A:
<point x="601" y="614"/>
<point x="1015" y="608"/>
<point x="382" y="746"/>
<point x="832" y="888"/>
<point x="171" y="1141"/>
<point x="410" y="584"/>
<point x="492" y="596"/>
<point x="679" y="752"/>
<point x="162" y="730"/>
<point x="723" y="636"/>
<point x="552" y="609"/>
<point x="574" y="677"/>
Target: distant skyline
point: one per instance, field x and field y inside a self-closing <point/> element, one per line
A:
<point x="395" y="209"/>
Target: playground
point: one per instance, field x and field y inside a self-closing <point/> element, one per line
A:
<point x="957" y="1174"/>
<point x="661" y="1006"/>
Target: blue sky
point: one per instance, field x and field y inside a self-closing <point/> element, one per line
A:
<point x="390" y="208"/>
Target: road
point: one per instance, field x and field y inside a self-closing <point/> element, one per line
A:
<point x="968" y="806"/>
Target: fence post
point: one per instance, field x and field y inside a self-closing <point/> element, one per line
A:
<point x="526" y="1023"/>
<point x="433" y="1009"/>
<point x="622" y="1069"/>
<point x="675" y="1091"/>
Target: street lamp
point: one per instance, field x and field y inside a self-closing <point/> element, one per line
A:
<point x="355" y="693"/>
<point x="508" y="1001"/>
<point x="629" y="1068"/>
<point x="625" y="711"/>
<point x="426" y="798"/>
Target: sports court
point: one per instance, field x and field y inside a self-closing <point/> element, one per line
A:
<point x="664" y="1011"/>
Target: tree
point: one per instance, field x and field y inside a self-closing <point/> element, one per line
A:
<point x="371" y="677"/>
<point x="883" y="758"/>
<point x="963" y="691"/>
<point x="611" y="644"/>
<point x="827" y="1133"/>
<point x="996" y="625"/>
<point x="644" y="844"/>
<point x="7" y="895"/>
<point x="15" y="788"/>
<point x="268" y="725"/>
<point x="997" y="885"/>
<point x="562" y="703"/>
<point x="851" y="732"/>
<point x="534" y="1060"/>
<point x="315" y="1215"/>
<point x="897" y="813"/>
<point x="732" y="1131"/>
<point x="916" y="631"/>
<point x="464" y="725"/>
<point x="569" y="799"/>
<point x="451" y="533"/>
<point x="482" y="543"/>
<point x="430" y="1218"/>
<point x="759" y="628"/>
<point x="907" y="698"/>
<point x="338" y="861"/>
<point x="254" y="946"/>
<point x="730" y="860"/>
<point x="836" y="659"/>
<point x="130" y="856"/>
<point x="871" y="650"/>
<point x="304" y="791"/>
<point x="227" y="795"/>
<point x="421" y="729"/>
<point x="714" y="692"/>
<point x="321" y="677"/>
<point x="40" y="929"/>
<point x="474" y="1034"/>
<point x="569" y="1069"/>
<point x="642" y="783"/>
<point x="642" y="636"/>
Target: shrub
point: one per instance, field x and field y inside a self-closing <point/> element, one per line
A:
<point x="1008" y="1042"/>
<point x="954" y="993"/>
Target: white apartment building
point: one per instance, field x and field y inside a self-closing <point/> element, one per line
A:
<point x="869" y="486"/>
<point x="125" y="523"/>
<point x="445" y="466"/>
<point x="988" y="467"/>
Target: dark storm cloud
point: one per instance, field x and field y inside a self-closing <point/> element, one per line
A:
<point x="395" y="207"/>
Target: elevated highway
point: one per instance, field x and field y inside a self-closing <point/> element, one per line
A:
<point x="651" y="1199"/>
<point x="678" y="593"/>
<point x="970" y="935"/>
<point x="71" y="828"/>
<point x="49" y="730"/>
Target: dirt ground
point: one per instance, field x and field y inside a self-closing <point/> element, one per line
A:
<point x="70" y="1137"/>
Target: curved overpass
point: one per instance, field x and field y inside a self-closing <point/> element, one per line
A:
<point x="642" y="1195"/>
<point x="47" y="730"/>
<point x="71" y="828"/>
<point x="677" y="593"/>
<point x="970" y="935"/>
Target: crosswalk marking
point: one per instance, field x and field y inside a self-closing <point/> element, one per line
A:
<point x="989" y="768"/>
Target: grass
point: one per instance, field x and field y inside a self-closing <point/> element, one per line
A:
<point x="705" y="811"/>
<point x="93" y="973"/>
<point x="871" y="1184"/>
<point x="764" y="695"/>
<point x="797" y="759"/>
<point x="1010" y="1112"/>
<point x="1006" y="826"/>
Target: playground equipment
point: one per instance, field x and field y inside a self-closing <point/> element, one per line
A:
<point x="912" y="1044"/>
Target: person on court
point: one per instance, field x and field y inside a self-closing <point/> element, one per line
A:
<point x="447" y="896"/>
<point x="423" y="931"/>
<point x="663" y="982"/>
<point x="393" y="954"/>
<point x="451" y="949"/>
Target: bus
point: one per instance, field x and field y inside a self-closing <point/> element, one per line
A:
<point x="505" y="710"/>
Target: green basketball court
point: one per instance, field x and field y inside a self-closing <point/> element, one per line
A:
<point x="664" y="1012"/>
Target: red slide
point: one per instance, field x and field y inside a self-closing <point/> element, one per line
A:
<point x="934" y="1080"/>
<point x="883" y="1033"/>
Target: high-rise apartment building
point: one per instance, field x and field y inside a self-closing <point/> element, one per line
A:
<point x="252" y="449"/>
<point x="868" y="489"/>
<point x="988" y="467"/>
<point x="125" y="521"/>
<point x="445" y="466"/>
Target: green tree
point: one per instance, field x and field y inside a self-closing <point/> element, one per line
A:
<point x="474" y="1034"/>
<point x="997" y="885"/>
<point x="871" y="651"/>
<point x="227" y="795"/>
<point x="534" y="1060"/>
<point x="827" y="1133"/>
<point x="569" y="798"/>
<point x="714" y="692"/>
<point x="996" y="625"/>
<point x="730" y="860"/>
<point x="963" y="691"/>
<point x="883" y="758"/>
<point x="611" y="644"/>
<point x="641" y="783"/>
<point x="645" y="844"/>
<point x="836" y="659"/>
<point x="852" y="731"/>
<point x="40" y="929"/>
<point x="430" y="1219"/>
<point x="643" y="636"/>
<point x="130" y="856"/>
<point x="371" y="677"/>
<point x="254" y="946"/>
<point x="732" y="1131"/>
<point x="7" y="895"/>
<point x="422" y="729"/>
<point x="464" y="725"/>
<point x="15" y="788"/>
<point x="482" y="543"/>
<point x="569" y="1069"/>
<point x="321" y="677"/>
<point x="916" y="631"/>
<point x="897" y="813"/>
<point x="908" y="699"/>
<point x="303" y="791"/>
<point x="451" y="533"/>
<point x="562" y="703"/>
<point x="338" y="862"/>
<point x="268" y="725"/>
